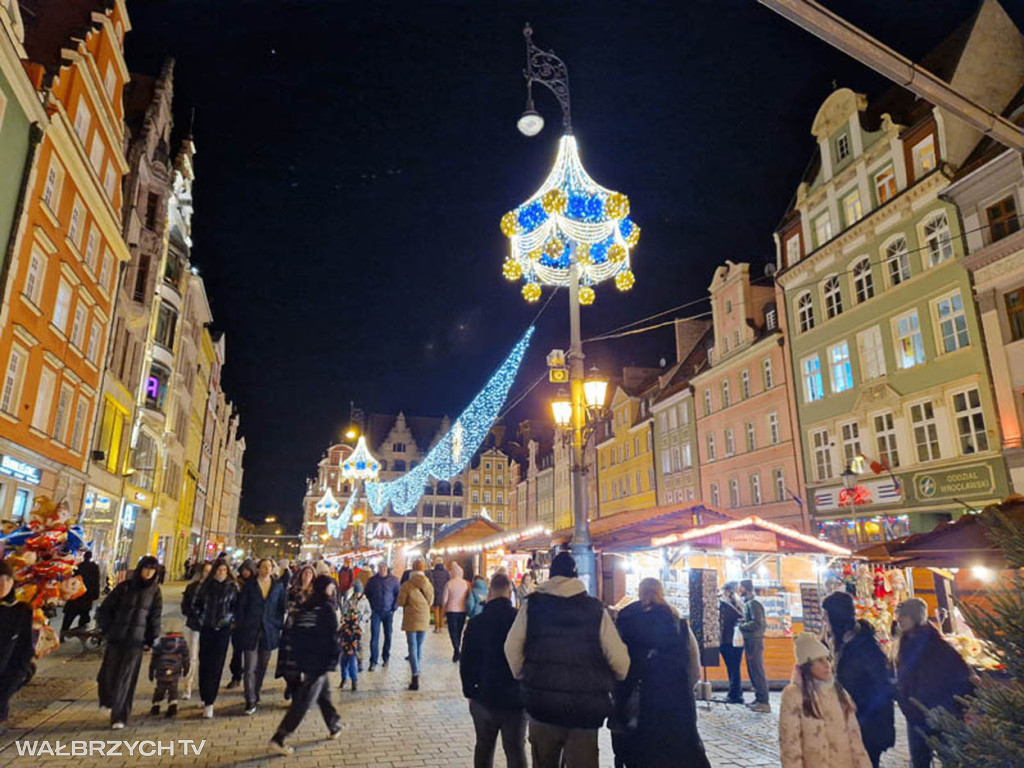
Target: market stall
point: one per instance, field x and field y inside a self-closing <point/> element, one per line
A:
<point x="460" y="542"/>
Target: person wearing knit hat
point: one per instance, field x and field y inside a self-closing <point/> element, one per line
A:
<point x="16" y="635"/>
<point x="817" y="719"/>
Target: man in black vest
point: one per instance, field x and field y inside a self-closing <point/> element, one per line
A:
<point x="566" y="651"/>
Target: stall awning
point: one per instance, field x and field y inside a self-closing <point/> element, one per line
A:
<point x="751" y="534"/>
<point x="461" y="536"/>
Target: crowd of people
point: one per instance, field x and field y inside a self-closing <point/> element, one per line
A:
<point x="543" y="663"/>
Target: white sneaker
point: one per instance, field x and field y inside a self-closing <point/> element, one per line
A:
<point x="251" y="711"/>
<point x="279" y="748"/>
<point x="188" y="694"/>
<point x="208" y="711"/>
<point x="116" y="726"/>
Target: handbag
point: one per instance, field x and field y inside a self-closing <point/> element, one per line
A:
<point x="737" y="637"/>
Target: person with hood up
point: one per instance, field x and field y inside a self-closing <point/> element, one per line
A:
<point x="129" y="618"/>
<point x="214" y="609"/>
<point x="345" y="576"/>
<point x="81" y="606"/>
<point x="863" y="670"/>
<point x="566" y="651"/>
<point x="200" y="572"/>
<point x="382" y="592"/>
<point x="453" y="601"/>
<point x="358" y="602"/>
<point x="246" y="571"/>
<point x="655" y="705"/>
<point x="930" y="673"/>
<point x="258" y="623"/>
<point x="300" y="590"/>
<point x="817" y="718"/>
<point x="438" y="580"/>
<point x="477" y="597"/>
<point x="16" y="648"/>
<point x="416" y="597"/>
<point x="315" y="640"/>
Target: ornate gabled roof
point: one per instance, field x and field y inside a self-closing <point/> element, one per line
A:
<point x="53" y="25"/>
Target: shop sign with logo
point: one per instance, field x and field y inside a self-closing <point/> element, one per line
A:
<point x="750" y="541"/>
<point x="19" y="470"/>
<point x="972" y="480"/>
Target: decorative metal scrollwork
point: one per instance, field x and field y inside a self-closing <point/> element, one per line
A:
<point x="546" y="68"/>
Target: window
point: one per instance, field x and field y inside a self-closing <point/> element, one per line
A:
<point x="500" y="497"/>
<point x="822" y="454"/>
<point x="78" y="326"/>
<point x="108" y="260"/>
<point x="110" y="181"/>
<point x="793" y="250"/>
<point x="813" y="389"/>
<point x="734" y="492"/>
<point x="109" y="80"/>
<point x="707" y="402"/>
<point x="839" y="367"/>
<point x="937" y="239"/>
<point x="711" y="447"/>
<point x="779" y="480"/>
<point x="673" y="418"/>
<point x="96" y="152"/>
<point x="639" y="483"/>
<point x="744" y="384"/>
<point x="926" y="435"/>
<point x="156" y="387"/>
<point x="487" y="497"/>
<point x="842" y="147"/>
<point x="885" y="440"/>
<point x="773" y="428"/>
<point x="398" y="465"/>
<point x="909" y="346"/>
<point x="751" y="431"/>
<point x="970" y="422"/>
<point x="687" y="455"/>
<point x="166" y="325"/>
<point x="476" y="497"/>
<point x="852" y="210"/>
<point x="666" y="462"/>
<point x="52" y="187"/>
<point x="13" y="378"/>
<point x="872" y="353"/>
<point x="92" y="249"/>
<point x="94" y="341"/>
<point x="78" y="426"/>
<point x="730" y="443"/>
<point x="34" y="278"/>
<point x="726" y="399"/>
<point x="897" y="260"/>
<point x="62" y="307"/>
<point x="924" y="155"/>
<point x="850" y="433"/>
<point x="1015" y="313"/>
<point x="766" y="368"/>
<point x="684" y="413"/>
<point x="755" y="489"/>
<point x="715" y="501"/>
<point x="822" y="229"/>
<point x="833" y="297"/>
<point x="725" y="344"/>
<point x="75" y="225"/>
<point x="885" y="185"/>
<point x="952" y="323"/>
<point x="82" y="119"/>
<point x="44" y="399"/>
<point x="863" y="282"/>
<point x="22" y="503"/>
<point x="61" y="419"/>
<point x="1002" y="218"/>
<point x="805" y="312"/>
<point x="771" y="319"/>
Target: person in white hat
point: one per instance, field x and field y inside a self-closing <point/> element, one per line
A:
<point x="818" y="720"/>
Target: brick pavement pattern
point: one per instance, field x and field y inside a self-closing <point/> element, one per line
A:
<point x="383" y="724"/>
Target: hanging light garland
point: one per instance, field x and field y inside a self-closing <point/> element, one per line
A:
<point x="570" y="219"/>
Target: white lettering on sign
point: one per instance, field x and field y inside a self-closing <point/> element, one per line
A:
<point x="750" y="541"/>
<point x="19" y="470"/>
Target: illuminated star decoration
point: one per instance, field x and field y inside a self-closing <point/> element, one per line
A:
<point x="449" y="457"/>
<point x="570" y="219"/>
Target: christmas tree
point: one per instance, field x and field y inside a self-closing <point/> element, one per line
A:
<point x="992" y="731"/>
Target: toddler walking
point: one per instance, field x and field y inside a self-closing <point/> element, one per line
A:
<point x="170" y="660"/>
<point x="349" y="639"/>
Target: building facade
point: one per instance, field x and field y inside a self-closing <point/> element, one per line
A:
<point x="491" y="486"/>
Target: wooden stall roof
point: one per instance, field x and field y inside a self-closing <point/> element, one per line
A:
<point x="752" y="534"/>
<point x="470" y="530"/>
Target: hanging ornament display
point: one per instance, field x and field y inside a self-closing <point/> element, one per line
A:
<point x="531" y="292"/>
<point x="587" y="295"/>
<point x="624" y="280"/>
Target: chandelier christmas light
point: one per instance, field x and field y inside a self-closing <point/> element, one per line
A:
<point x="360" y="465"/>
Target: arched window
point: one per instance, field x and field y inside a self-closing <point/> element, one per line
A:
<point x="398" y="465"/>
<point x="457" y="489"/>
<point x="384" y="464"/>
<point x="938" y="240"/>
<point x="444" y="488"/>
<point x="863" y="282"/>
<point x="833" y="297"/>
<point x="428" y="490"/>
<point x="805" y="312"/>
<point x="897" y="260"/>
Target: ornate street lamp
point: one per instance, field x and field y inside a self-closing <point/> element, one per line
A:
<point x="849" y="478"/>
<point x="572" y="232"/>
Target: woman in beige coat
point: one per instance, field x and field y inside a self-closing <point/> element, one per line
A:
<point x="818" y="720"/>
<point x="415" y="599"/>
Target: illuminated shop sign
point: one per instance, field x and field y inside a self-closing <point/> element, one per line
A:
<point x="19" y="470"/>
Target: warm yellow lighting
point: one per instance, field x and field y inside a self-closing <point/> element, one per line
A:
<point x="594" y="391"/>
<point x="324" y="537"/>
<point x="351" y="434"/>
<point x="357" y="517"/>
<point x="561" y="410"/>
<point x="983" y="573"/>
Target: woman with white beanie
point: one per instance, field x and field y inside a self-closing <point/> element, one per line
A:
<point x="818" y="720"/>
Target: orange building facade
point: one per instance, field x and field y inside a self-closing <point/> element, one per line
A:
<point x="57" y="302"/>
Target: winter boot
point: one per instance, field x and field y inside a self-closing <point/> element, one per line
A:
<point x="172" y="710"/>
<point x="154" y="710"/>
<point x="415" y="684"/>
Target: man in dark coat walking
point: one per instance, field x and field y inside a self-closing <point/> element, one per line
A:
<point x="863" y="670"/>
<point x="130" y="620"/>
<point x="438" y="579"/>
<point x="382" y="592"/>
<point x="80" y="607"/>
<point x="494" y="698"/>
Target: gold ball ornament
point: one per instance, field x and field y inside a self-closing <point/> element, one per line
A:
<point x="583" y="254"/>
<point x="531" y="292"/>
<point x="554" y="247"/>
<point x="634" y="236"/>
<point x="511" y="270"/>
<point x="625" y="279"/>
<point x="587" y="295"/>
<point x="510" y="224"/>
<point x="616" y="205"/>
<point x="554" y="201"/>
<point x="535" y="254"/>
<point x="616" y="254"/>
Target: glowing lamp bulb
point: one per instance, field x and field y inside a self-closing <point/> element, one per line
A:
<point x="530" y="123"/>
<point x="561" y="410"/>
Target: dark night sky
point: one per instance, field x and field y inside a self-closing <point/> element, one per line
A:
<point x="354" y="159"/>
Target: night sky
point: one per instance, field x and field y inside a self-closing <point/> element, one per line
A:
<point x="354" y="159"/>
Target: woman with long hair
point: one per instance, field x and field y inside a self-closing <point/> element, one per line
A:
<point x="818" y="719"/>
<point x="656" y="715"/>
<point x="200" y="572"/>
<point x="214" y="609"/>
<point x="299" y="591"/>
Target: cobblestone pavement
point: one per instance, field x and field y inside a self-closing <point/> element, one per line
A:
<point x="384" y="724"/>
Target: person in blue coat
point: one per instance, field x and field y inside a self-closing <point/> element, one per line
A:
<point x="382" y="592"/>
<point x="258" y="623"/>
<point x="477" y="597"/>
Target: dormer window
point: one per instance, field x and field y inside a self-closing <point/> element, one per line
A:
<point x="793" y="250"/>
<point x="842" y="147"/>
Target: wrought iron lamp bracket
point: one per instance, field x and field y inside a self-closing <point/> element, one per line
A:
<point x="546" y="68"/>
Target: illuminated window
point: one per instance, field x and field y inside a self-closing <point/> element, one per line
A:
<point x="793" y="250"/>
<point x="924" y="155"/>
<point x="872" y="353"/>
<point x="885" y="440"/>
<point x="970" y="422"/>
<point x="839" y="367"/>
<point x="852" y="209"/>
<point x="813" y="389"/>
<point x="952" y="322"/>
<point x="909" y="345"/>
<point x="885" y="184"/>
<point x="822" y="229"/>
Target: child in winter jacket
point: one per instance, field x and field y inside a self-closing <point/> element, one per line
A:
<point x="170" y="660"/>
<point x="349" y="639"/>
<point x="818" y="719"/>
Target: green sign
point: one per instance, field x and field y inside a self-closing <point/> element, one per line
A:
<point x="969" y="480"/>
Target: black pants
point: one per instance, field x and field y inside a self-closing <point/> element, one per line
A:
<point x="166" y="688"/>
<point x="311" y="688"/>
<point x="213" y="650"/>
<point x="254" y="666"/>
<point x="456" y="623"/>
<point x="117" y="679"/>
<point x="554" y="746"/>
<point x="236" y="660"/>
<point x="73" y="609"/>
<point x="733" y="657"/>
<point x="10" y="682"/>
<point x="488" y="723"/>
<point x="920" y="752"/>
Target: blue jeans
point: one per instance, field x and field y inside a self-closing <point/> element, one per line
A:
<point x="376" y="620"/>
<point x="349" y="668"/>
<point x="415" y="640"/>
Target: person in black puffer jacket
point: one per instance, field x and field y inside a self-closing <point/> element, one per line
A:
<point x="495" y="702"/>
<point x="214" y="609"/>
<point x="130" y="620"/>
<point x="16" y="649"/>
<point x="200" y="572"/>
<point x="314" y="638"/>
<point x="863" y="671"/>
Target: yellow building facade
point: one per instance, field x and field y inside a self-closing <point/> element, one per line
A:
<point x="626" y="458"/>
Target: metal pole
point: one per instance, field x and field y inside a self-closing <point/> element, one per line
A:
<point x="582" y="545"/>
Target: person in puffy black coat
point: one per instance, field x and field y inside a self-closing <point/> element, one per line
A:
<point x="300" y="589"/>
<point x="314" y="639"/>
<point x="438" y="579"/>
<point x="258" y="622"/>
<point x="214" y="610"/>
<point x="863" y="671"/>
<point x="200" y="572"/>
<point x="655" y="709"/>
<point x="16" y="649"/>
<point x="495" y="702"/>
<point x="130" y="620"/>
<point x="246" y="573"/>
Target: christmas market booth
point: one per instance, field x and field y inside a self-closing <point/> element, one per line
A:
<point x="459" y="542"/>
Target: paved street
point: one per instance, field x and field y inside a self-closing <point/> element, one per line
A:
<point x="384" y="725"/>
